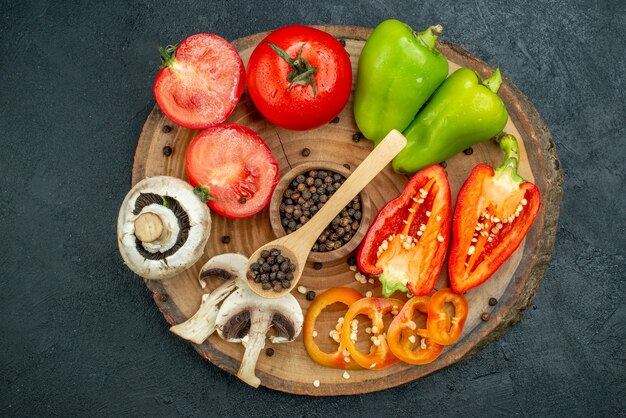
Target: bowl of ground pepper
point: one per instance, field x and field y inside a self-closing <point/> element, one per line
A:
<point x="303" y="191"/>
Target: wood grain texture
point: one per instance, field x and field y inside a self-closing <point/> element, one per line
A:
<point x="290" y="369"/>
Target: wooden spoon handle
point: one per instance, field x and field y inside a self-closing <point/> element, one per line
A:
<point x="388" y="148"/>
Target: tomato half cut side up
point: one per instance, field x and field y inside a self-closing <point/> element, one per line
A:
<point x="200" y="82"/>
<point x="379" y="356"/>
<point x="404" y="341"/>
<point x="233" y="166"/>
<point x="494" y="211"/>
<point x="440" y="326"/>
<point x="406" y="244"/>
<point x="336" y="359"/>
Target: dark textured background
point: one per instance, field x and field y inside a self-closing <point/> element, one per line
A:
<point x="80" y="334"/>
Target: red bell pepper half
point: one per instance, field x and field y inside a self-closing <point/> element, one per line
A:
<point x="494" y="211"/>
<point x="406" y="244"/>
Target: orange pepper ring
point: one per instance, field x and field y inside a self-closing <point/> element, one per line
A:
<point x="399" y="332"/>
<point x="379" y="356"/>
<point x="335" y="360"/>
<point x="440" y="327"/>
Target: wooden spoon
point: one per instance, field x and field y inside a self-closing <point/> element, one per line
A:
<point x="297" y="245"/>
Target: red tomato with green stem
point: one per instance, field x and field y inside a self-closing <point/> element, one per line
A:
<point x="233" y="169"/>
<point x="201" y="81"/>
<point x="299" y="77"/>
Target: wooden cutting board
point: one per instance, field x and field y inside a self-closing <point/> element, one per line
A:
<point x="290" y="369"/>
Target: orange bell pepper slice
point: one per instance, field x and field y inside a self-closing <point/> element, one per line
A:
<point x="417" y="350"/>
<point x="379" y="356"/>
<point x="335" y="360"/>
<point x="441" y="328"/>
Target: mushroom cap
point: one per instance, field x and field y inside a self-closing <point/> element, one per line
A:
<point x="241" y="308"/>
<point x="186" y="223"/>
<point x="228" y="266"/>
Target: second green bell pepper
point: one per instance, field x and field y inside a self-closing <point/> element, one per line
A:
<point x="398" y="71"/>
<point x="464" y="111"/>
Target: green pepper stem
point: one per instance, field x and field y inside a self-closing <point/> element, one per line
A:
<point x="167" y="55"/>
<point x="509" y="166"/>
<point x="430" y="35"/>
<point x="493" y="83"/>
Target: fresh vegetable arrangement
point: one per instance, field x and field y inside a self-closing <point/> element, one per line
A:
<point x="300" y="78"/>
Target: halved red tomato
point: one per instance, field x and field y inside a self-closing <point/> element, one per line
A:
<point x="201" y="81"/>
<point x="235" y="166"/>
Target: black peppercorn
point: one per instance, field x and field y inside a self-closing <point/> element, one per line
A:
<point x="493" y="301"/>
<point x="167" y="129"/>
<point x="306" y="152"/>
<point x="310" y="295"/>
<point x="357" y="137"/>
<point x="317" y="266"/>
<point x="167" y="150"/>
<point x="443" y="164"/>
<point x="226" y="239"/>
<point x="346" y="165"/>
<point x="269" y="352"/>
<point x="485" y="316"/>
<point x="342" y="42"/>
<point x="468" y="151"/>
<point x="242" y="200"/>
<point x="335" y="120"/>
<point x="352" y="260"/>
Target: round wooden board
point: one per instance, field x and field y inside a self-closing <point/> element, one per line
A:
<point x="290" y="369"/>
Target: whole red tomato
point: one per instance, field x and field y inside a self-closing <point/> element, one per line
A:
<point x="299" y="77"/>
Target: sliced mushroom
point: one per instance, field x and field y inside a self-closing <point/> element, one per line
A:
<point x="246" y="317"/>
<point x="232" y="268"/>
<point x="162" y="227"/>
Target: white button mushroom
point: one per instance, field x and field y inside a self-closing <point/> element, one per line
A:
<point x="162" y="227"/>
<point x="232" y="268"/>
<point x="246" y="317"/>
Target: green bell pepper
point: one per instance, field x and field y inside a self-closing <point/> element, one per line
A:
<point x="464" y="111"/>
<point x="398" y="71"/>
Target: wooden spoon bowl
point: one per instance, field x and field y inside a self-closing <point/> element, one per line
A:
<point x="277" y="198"/>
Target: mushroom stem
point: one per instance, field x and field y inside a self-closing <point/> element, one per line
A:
<point x="260" y="322"/>
<point x="202" y="324"/>
<point x="148" y="227"/>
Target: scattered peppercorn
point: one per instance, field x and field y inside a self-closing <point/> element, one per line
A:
<point x="167" y="150"/>
<point x="485" y="316"/>
<point x="352" y="260"/>
<point x="226" y="239"/>
<point x="357" y="137"/>
<point x="468" y="151"/>
<point x="167" y="129"/>
<point x="443" y="164"/>
<point x="306" y="195"/>
<point x="342" y="42"/>
<point x="335" y="120"/>
<point x="269" y="352"/>
<point x="310" y="295"/>
<point x="493" y="301"/>
<point x="317" y="266"/>
<point x="242" y="200"/>
<point x="306" y="152"/>
<point x="272" y="270"/>
<point x="346" y="165"/>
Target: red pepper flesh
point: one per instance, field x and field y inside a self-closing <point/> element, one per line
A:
<point x="494" y="211"/>
<point x="406" y="244"/>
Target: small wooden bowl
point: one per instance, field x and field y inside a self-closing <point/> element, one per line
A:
<point x="287" y="178"/>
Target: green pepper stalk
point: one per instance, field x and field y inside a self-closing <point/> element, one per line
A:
<point x="464" y="111"/>
<point x="399" y="69"/>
